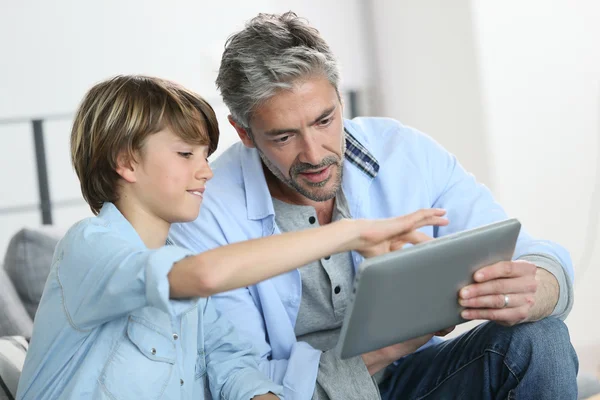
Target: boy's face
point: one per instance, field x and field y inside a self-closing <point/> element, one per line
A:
<point x="299" y="135"/>
<point x="170" y="177"/>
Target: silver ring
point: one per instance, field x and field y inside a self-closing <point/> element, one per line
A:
<point x="505" y="301"/>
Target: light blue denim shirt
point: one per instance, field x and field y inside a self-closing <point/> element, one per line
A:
<point x="106" y="328"/>
<point x="389" y="170"/>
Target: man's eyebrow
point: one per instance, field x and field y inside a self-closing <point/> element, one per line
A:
<point x="277" y="132"/>
<point x="323" y="115"/>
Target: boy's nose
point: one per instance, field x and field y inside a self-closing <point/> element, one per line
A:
<point x="204" y="172"/>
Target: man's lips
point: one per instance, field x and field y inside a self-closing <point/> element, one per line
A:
<point x="317" y="176"/>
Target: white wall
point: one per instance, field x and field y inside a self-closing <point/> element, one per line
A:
<point x="52" y="52"/>
<point x="540" y="64"/>
<point x="427" y="74"/>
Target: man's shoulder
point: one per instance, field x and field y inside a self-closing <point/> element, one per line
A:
<point x="227" y="187"/>
<point x="386" y="136"/>
<point x="229" y="163"/>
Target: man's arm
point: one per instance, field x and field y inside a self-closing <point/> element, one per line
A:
<point x="469" y="205"/>
<point x="231" y="363"/>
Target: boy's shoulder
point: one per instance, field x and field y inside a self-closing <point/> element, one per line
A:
<point x="97" y="234"/>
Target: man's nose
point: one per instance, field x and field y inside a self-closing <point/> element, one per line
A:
<point x="311" y="153"/>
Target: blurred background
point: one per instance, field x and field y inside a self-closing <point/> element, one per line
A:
<point x="512" y="88"/>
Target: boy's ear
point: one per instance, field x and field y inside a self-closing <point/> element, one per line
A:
<point x="126" y="167"/>
<point x="242" y="133"/>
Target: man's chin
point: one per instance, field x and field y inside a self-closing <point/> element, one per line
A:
<point x="317" y="193"/>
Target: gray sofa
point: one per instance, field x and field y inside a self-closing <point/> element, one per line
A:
<point x="27" y="263"/>
<point x="22" y="278"/>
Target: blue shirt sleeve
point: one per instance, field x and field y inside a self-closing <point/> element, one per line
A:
<point x="103" y="276"/>
<point x="231" y="363"/>
<point x="470" y="204"/>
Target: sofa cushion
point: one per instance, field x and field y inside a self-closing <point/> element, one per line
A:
<point x="27" y="262"/>
<point x="14" y="319"/>
<point x="12" y="356"/>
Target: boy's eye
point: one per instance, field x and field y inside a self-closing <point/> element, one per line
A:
<point x="185" y="154"/>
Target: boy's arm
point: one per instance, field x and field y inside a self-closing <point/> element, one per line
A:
<point x="231" y="363"/>
<point x="102" y="276"/>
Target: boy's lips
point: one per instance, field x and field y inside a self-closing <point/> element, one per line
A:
<point x="197" y="192"/>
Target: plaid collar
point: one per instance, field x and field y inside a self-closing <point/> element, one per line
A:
<point x="358" y="155"/>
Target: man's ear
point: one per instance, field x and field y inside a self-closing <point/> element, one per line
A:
<point x="242" y="133"/>
<point x="126" y="167"/>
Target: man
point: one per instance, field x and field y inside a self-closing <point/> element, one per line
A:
<point x="300" y="165"/>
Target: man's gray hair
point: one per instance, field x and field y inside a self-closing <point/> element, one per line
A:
<point x="269" y="54"/>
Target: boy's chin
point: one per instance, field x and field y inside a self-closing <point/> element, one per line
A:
<point x="189" y="217"/>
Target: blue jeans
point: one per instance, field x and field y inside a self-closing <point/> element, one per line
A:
<point x="527" y="361"/>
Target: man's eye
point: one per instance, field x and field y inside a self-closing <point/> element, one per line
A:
<point x="325" y="121"/>
<point x="282" y="139"/>
<point x="185" y="154"/>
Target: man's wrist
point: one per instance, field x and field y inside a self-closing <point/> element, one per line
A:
<point x="373" y="364"/>
<point x="547" y="295"/>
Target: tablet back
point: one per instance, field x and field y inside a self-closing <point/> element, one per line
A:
<point x="414" y="291"/>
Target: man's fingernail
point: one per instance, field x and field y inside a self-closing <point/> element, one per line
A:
<point x="465" y="293"/>
<point x="465" y="314"/>
<point x="479" y="275"/>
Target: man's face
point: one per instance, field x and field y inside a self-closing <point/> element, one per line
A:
<point x="299" y="135"/>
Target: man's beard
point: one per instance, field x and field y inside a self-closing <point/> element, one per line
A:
<point x="298" y="168"/>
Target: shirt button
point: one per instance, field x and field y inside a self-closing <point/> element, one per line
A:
<point x="175" y="336"/>
<point x="327" y="258"/>
<point x="337" y="290"/>
<point x="312" y="220"/>
<point x="181" y="382"/>
<point x="153" y="351"/>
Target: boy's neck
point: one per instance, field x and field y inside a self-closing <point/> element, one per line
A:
<point x="152" y="230"/>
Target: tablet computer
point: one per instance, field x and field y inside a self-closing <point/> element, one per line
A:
<point x="414" y="291"/>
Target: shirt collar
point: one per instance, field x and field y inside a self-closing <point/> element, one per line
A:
<point x="110" y="214"/>
<point x="358" y="155"/>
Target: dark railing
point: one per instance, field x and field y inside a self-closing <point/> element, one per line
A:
<point x="45" y="203"/>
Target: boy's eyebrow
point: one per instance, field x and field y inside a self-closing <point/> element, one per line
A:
<point x="276" y="132"/>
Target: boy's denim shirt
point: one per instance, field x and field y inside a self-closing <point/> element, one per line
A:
<point x="106" y="328"/>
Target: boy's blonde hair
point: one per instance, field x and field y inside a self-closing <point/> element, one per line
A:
<point x="118" y="115"/>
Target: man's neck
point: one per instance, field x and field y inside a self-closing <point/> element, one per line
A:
<point x="283" y="192"/>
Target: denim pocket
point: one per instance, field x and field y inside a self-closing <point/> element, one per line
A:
<point x="141" y="364"/>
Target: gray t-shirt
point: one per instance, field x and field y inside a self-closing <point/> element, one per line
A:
<point x="326" y="285"/>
